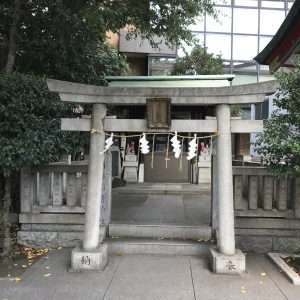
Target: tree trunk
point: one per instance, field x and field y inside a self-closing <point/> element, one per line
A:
<point x="6" y="203"/>
<point x="13" y="35"/>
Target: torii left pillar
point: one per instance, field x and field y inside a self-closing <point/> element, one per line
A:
<point x="226" y="259"/>
<point x="92" y="255"/>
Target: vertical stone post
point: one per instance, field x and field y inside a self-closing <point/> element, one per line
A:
<point x="214" y="194"/>
<point x="93" y="256"/>
<point x="95" y="173"/>
<point x="225" y="186"/>
<point x="226" y="259"/>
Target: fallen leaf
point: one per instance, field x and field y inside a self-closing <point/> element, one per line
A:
<point x="120" y="253"/>
<point x="243" y="290"/>
<point x="47" y="275"/>
<point x="17" y="279"/>
<point x="263" y="274"/>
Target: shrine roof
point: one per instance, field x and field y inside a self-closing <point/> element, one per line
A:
<point x="285" y="43"/>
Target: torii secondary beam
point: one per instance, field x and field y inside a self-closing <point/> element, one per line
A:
<point x="140" y="125"/>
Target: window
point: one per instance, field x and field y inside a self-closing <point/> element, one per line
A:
<point x="252" y="3"/>
<point x="262" y="110"/>
<point x="160" y="66"/>
<point x="244" y="47"/>
<point x="199" y="24"/>
<point x="188" y="48"/>
<point x="270" y="21"/>
<point x="219" y="44"/>
<point x="245" y="20"/>
<point x="272" y="4"/>
<point x="263" y="42"/>
<point x="223" y="2"/>
<point x="224" y="21"/>
<point x="290" y="3"/>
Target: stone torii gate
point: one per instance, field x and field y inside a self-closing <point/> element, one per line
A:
<point x="220" y="97"/>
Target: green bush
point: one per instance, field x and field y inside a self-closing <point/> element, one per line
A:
<point x="30" y="123"/>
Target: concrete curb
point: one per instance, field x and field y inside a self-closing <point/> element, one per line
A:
<point x="291" y="275"/>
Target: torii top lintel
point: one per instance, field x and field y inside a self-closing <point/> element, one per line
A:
<point x="116" y="95"/>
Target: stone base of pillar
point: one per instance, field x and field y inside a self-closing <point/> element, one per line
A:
<point x="228" y="264"/>
<point x="89" y="260"/>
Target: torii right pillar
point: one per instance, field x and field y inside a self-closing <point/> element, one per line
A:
<point x="226" y="259"/>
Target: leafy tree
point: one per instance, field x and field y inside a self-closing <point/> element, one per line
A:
<point x="198" y="62"/>
<point x="201" y="62"/>
<point x="59" y="38"/>
<point x="29" y="131"/>
<point x="280" y="141"/>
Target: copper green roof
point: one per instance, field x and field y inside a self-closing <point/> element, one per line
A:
<point x="170" y="81"/>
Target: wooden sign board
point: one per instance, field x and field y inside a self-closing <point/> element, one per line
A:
<point x="158" y="112"/>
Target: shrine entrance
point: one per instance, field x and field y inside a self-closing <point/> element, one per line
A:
<point x="162" y="203"/>
<point x="182" y="91"/>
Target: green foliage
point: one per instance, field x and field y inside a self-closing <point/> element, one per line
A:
<point x="58" y="39"/>
<point x="29" y="123"/>
<point x="235" y="110"/>
<point x="62" y="39"/>
<point x="293" y="250"/>
<point x="280" y="141"/>
<point x="170" y="18"/>
<point x="199" y="62"/>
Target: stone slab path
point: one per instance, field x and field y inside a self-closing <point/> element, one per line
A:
<point x="145" y="208"/>
<point x="136" y="277"/>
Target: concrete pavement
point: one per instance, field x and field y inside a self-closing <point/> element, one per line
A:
<point x="185" y="209"/>
<point x="135" y="277"/>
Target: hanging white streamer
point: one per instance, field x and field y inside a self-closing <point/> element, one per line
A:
<point x="108" y="143"/>
<point x="144" y="144"/>
<point x="176" y="145"/>
<point x="192" y="148"/>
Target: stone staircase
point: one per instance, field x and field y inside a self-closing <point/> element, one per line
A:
<point x="159" y="239"/>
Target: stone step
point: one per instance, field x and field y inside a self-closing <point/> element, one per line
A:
<point x="160" y="230"/>
<point x="156" y="246"/>
<point x="202" y="192"/>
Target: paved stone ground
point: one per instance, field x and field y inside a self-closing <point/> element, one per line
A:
<point x="136" y="277"/>
<point x="185" y="209"/>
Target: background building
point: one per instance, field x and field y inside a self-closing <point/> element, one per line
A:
<point x="244" y="28"/>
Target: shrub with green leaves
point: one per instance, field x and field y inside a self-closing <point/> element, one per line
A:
<point x="280" y="141"/>
<point x="30" y="123"/>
